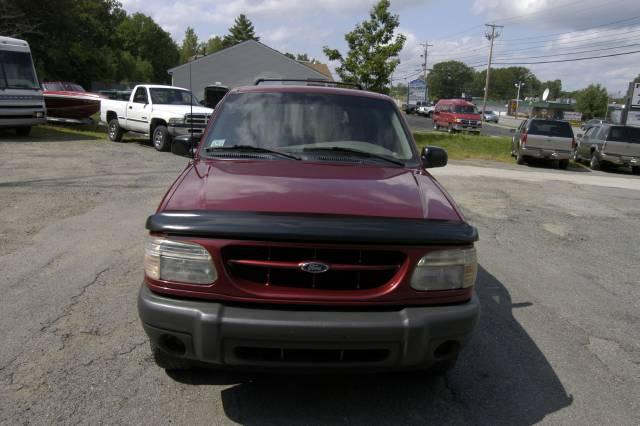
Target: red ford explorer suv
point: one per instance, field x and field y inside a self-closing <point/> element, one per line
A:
<point x="306" y="233"/>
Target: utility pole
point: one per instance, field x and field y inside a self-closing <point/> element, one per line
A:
<point x="491" y="36"/>
<point x="519" y="85"/>
<point x="426" y="46"/>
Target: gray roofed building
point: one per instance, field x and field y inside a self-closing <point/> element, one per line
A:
<point x="240" y="65"/>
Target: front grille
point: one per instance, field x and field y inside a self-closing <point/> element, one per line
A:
<point x="303" y="356"/>
<point x="469" y="122"/>
<point x="348" y="269"/>
<point x="199" y="120"/>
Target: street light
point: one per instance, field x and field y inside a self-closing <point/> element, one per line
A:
<point x="519" y="86"/>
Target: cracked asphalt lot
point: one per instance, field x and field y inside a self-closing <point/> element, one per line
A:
<point x="557" y="343"/>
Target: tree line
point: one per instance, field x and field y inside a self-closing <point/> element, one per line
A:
<point x="88" y="41"/>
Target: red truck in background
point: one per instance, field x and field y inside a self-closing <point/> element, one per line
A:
<point x="307" y="233"/>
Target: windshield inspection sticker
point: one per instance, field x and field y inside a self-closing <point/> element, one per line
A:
<point x="216" y="143"/>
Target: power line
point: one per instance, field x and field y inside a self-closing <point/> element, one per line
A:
<point x="574" y="31"/>
<point x="559" y="60"/>
<point x="570" y="53"/>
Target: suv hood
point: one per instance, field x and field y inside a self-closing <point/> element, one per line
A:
<point x="283" y="186"/>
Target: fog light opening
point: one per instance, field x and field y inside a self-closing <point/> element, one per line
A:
<point x="448" y="349"/>
<point x="171" y="344"/>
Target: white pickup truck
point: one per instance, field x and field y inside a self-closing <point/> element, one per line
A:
<point x="161" y="112"/>
<point x="426" y="110"/>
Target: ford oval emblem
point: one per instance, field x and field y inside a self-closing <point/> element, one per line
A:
<point x="314" y="267"/>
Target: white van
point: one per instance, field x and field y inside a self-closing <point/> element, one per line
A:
<point x="21" y="100"/>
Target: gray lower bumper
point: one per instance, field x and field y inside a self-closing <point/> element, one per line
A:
<point x="239" y="336"/>
<point x="547" y="154"/>
<point x="185" y="130"/>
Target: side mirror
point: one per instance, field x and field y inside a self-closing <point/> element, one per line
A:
<point x="184" y="146"/>
<point x="433" y="156"/>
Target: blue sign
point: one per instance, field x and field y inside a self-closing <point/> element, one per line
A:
<point x="417" y="91"/>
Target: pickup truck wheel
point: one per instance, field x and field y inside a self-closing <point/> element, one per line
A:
<point x="115" y="131"/>
<point x="167" y="361"/>
<point x="161" y="138"/>
<point x="595" y="163"/>
<point x="563" y="164"/>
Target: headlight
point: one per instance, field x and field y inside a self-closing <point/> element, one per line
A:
<point x="178" y="261"/>
<point x="446" y="270"/>
<point x="174" y="121"/>
<point x="458" y="120"/>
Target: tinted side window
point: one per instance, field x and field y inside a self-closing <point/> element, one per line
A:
<point x="141" y="96"/>
<point x="625" y="134"/>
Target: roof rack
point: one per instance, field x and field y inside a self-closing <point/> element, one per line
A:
<point x="309" y="82"/>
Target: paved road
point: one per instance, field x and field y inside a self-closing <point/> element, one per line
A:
<point x="558" y="340"/>
<point x="424" y="124"/>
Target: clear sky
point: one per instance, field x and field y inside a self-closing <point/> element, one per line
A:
<point x="534" y="30"/>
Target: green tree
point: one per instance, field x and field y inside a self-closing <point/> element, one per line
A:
<point x="592" y="101"/>
<point x="214" y="44"/>
<point x="290" y="55"/>
<point x="637" y="79"/>
<point x="241" y="30"/>
<point x="148" y="43"/>
<point x="373" y="50"/>
<point x="449" y="79"/>
<point x="399" y="91"/>
<point x="190" y="45"/>
<point x="555" y="88"/>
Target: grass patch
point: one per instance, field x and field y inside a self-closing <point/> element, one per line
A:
<point x="462" y="146"/>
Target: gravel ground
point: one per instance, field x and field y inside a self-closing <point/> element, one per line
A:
<point x="558" y="339"/>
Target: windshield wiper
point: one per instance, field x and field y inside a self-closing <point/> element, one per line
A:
<point x="356" y="151"/>
<point x="251" y="148"/>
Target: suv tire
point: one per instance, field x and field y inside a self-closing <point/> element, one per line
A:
<point x="595" y="163"/>
<point x="114" y="131"/>
<point x="161" y="138"/>
<point x="519" y="157"/>
<point x="167" y="361"/>
<point x="635" y="170"/>
<point x="563" y="164"/>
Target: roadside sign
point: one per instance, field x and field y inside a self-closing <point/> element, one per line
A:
<point x="633" y="118"/>
<point x="416" y="92"/>
<point x="572" y="115"/>
<point x="635" y="96"/>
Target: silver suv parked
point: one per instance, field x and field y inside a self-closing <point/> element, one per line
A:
<point x="550" y="140"/>
<point x="608" y="145"/>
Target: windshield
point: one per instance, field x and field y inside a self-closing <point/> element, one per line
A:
<point x="624" y="134"/>
<point x="465" y="109"/>
<point x="58" y="86"/>
<point x="294" y="122"/>
<point x="550" y="128"/>
<point x="16" y="71"/>
<point x="169" y="96"/>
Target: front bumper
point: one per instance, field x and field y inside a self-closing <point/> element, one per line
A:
<point x="547" y="154"/>
<point x="411" y="337"/>
<point x="185" y="129"/>
<point x="467" y="127"/>
<point x="19" y="121"/>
